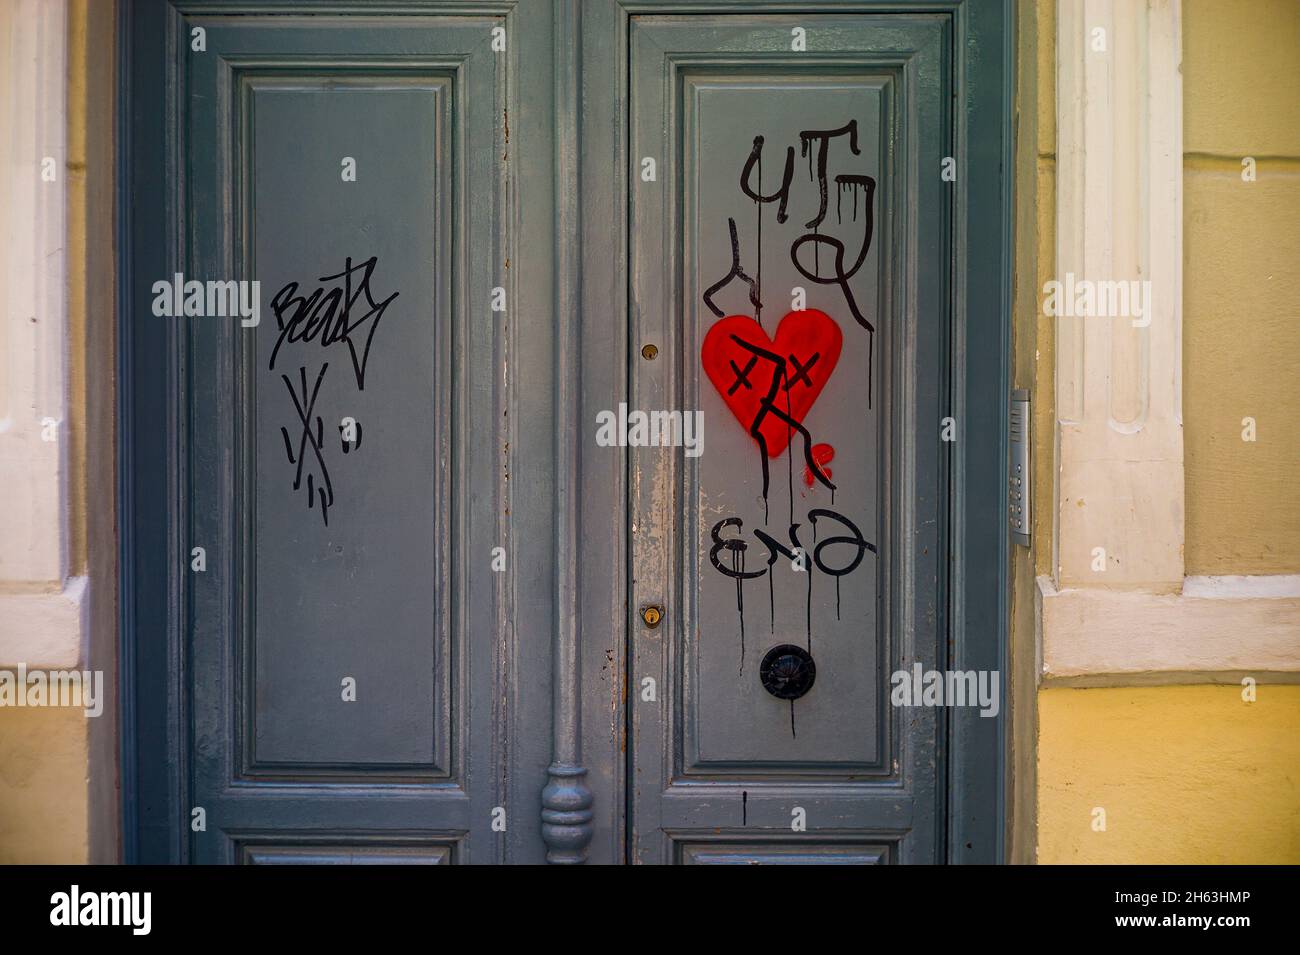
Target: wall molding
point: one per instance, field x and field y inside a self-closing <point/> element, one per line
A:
<point x="1217" y="625"/>
<point x="33" y="109"/>
<point x="1119" y="440"/>
<point x="48" y="630"/>
<point x="42" y="613"/>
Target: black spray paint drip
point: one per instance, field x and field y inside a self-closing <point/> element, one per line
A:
<point x="852" y="183"/>
<point x="789" y="446"/>
<point x="771" y="605"/>
<point x="808" y="607"/>
<point x="738" y="566"/>
<point x="782" y="196"/>
<point x="758" y="277"/>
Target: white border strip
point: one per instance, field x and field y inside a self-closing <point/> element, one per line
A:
<point x="1216" y="624"/>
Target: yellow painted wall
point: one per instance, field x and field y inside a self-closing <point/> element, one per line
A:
<point x="1186" y="774"/>
<point x="1031" y="368"/>
<point x="1241" y="285"/>
<point x="43" y="788"/>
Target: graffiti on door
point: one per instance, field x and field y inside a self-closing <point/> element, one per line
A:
<point x="327" y="317"/>
<point x="770" y="383"/>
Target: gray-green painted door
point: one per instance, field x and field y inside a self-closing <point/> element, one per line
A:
<point x="790" y="260"/>
<point x="365" y="625"/>
<point x="415" y="634"/>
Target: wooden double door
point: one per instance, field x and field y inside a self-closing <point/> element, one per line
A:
<point x="535" y="446"/>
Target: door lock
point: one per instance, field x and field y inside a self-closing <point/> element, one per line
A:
<point x="652" y="616"/>
<point x="787" y="672"/>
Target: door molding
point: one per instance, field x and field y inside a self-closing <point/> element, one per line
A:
<point x="567" y="814"/>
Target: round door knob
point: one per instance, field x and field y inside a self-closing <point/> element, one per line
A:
<point x="787" y="672"/>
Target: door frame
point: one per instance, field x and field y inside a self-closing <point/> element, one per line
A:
<point x="979" y="358"/>
<point x="582" y="806"/>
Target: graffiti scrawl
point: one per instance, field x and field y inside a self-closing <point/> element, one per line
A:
<point x="770" y="383"/>
<point x="328" y="316"/>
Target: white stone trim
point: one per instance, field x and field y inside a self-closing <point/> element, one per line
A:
<point x="1217" y="624"/>
<point x="1119" y="440"/>
<point x="42" y="614"/>
<point x="1119" y="218"/>
<point x="46" y="630"/>
<point x="33" y="105"/>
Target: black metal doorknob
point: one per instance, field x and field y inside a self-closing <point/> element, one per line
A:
<point x="787" y="672"/>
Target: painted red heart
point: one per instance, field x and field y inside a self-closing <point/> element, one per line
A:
<point x="744" y="363"/>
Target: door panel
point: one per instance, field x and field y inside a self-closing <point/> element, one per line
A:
<point x="808" y="851"/>
<point x="345" y="662"/>
<point x="337" y="555"/>
<point x="815" y="317"/>
<point x="380" y="505"/>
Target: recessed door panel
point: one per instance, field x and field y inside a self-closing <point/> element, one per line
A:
<point x="350" y="533"/>
<point x="815" y="130"/>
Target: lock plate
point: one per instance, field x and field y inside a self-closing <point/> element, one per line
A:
<point x="787" y="672"/>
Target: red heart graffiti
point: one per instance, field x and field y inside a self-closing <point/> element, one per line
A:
<point x="744" y="365"/>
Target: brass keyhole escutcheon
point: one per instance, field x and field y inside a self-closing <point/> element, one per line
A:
<point x="649" y="352"/>
<point x="651" y="616"/>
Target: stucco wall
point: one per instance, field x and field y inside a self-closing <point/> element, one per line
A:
<point x="1189" y="772"/>
<point x="1241" y="302"/>
<point x="1184" y="774"/>
<point x="43" y="786"/>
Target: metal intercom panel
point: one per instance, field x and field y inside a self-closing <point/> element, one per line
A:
<point x="1018" y="476"/>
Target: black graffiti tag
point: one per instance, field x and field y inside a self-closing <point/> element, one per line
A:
<point x="327" y="316"/>
<point x="814" y="145"/>
<point x="309" y="438"/>
<point x="346" y="313"/>
<point x="737" y="547"/>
